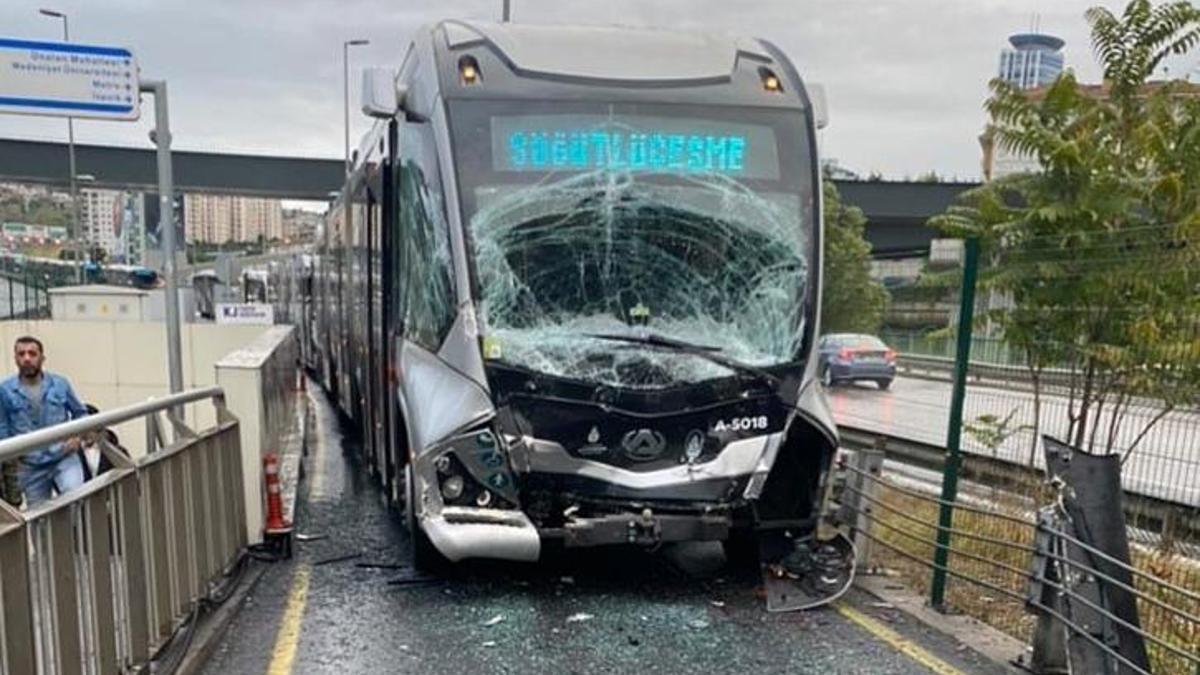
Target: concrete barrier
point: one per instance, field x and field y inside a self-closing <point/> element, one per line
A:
<point x="259" y="380"/>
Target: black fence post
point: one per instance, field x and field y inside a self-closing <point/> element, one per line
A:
<point x="1094" y="506"/>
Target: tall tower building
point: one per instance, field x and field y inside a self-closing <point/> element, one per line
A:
<point x="1035" y="60"/>
<point x="100" y="217"/>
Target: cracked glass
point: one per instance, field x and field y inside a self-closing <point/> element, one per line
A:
<point x="588" y="225"/>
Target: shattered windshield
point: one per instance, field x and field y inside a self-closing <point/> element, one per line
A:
<point x="671" y="227"/>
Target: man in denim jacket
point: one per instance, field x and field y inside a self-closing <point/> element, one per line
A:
<point x="34" y="399"/>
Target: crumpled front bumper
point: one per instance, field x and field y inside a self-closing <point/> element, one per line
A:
<point x="460" y="533"/>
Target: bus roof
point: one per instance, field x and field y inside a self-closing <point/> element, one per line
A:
<point x="607" y="52"/>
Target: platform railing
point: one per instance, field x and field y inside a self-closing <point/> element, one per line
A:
<point x="97" y="580"/>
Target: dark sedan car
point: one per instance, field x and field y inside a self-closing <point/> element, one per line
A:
<point x="851" y="357"/>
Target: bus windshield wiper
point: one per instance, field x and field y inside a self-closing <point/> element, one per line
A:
<point x="706" y="352"/>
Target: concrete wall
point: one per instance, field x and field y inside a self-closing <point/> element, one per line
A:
<point x="260" y="389"/>
<point x="112" y="364"/>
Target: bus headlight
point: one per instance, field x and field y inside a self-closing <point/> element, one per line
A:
<point x="472" y="470"/>
<point x="452" y="488"/>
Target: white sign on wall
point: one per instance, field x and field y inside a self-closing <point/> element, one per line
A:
<point x="245" y="312"/>
<point x="66" y="79"/>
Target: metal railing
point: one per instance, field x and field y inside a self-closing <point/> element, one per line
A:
<point x="97" y="580"/>
<point x="23" y="298"/>
<point x="1152" y="522"/>
<point x="1027" y="572"/>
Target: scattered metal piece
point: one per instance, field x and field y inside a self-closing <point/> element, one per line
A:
<point x="381" y="566"/>
<point x="304" y="536"/>
<point x="815" y="574"/>
<point x="340" y="558"/>
<point x="580" y="616"/>
<point x="413" y="580"/>
<point x="697" y="624"/>
<point x="883" y="605"/>
<point x="568" y="580"/>
<point x="717" y="603"/>
<point x="489" y="643"/>
<point x="494" y="620"/>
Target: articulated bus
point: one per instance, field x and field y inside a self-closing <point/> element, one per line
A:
<point x="570" y="292"/>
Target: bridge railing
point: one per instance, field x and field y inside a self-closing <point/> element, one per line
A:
<point x="99" y="579"/>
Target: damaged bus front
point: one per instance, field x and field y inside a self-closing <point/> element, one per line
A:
<point x="633" y="257"/>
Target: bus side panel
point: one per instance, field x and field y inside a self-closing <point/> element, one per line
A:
<point x="377" y="371"/>
<point x="391" y="311"/>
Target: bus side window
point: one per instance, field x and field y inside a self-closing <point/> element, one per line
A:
<point x="426" y="267"/>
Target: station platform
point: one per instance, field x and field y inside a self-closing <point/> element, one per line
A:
<point x="349" y="602"/>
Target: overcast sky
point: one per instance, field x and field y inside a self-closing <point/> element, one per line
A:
<point x="905" y="78"/>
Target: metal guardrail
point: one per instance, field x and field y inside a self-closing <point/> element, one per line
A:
<point x="1168" y="520"/>
<point x="1007" y="564"/>
<point x="97" y="580"/>
<point x="982" y="371"/>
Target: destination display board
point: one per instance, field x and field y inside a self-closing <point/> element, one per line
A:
<point x="633" y="143"/>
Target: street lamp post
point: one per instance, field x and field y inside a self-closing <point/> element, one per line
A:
<point x="70" y="151"/>
<point x="346" y="45"/>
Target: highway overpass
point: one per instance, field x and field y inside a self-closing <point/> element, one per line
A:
<point x="896" y="210"/>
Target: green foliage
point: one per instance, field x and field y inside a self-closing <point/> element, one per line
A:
<point x="1096" y="254"/>
<point x="39" y="211"/>
<point x="850" y="300"/>
<point x="991" y="431"/>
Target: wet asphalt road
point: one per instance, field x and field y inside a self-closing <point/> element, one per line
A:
<point x="1163" y="466"/>
<point x="679" y="610"/>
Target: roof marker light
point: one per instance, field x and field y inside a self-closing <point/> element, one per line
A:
<point x="770" y="80"/>
<point x="468" y="70"/>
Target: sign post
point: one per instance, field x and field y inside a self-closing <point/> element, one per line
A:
<point x="61" y="79"/>
<point x="166" y="222"/>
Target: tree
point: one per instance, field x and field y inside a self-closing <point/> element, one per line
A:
<point x="851" y="301"/>
<point x="1095" y="252"/>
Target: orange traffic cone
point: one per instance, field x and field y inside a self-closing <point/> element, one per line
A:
<point x="275" y="521"/>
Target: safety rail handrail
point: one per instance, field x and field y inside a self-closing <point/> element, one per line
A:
<point x="149" y="542"/>
<point x="11" y="448"/>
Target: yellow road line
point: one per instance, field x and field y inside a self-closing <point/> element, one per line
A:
<point x="898" y="642"/>
<point x="316" y="474"/>
<point x="288" y="637"/>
